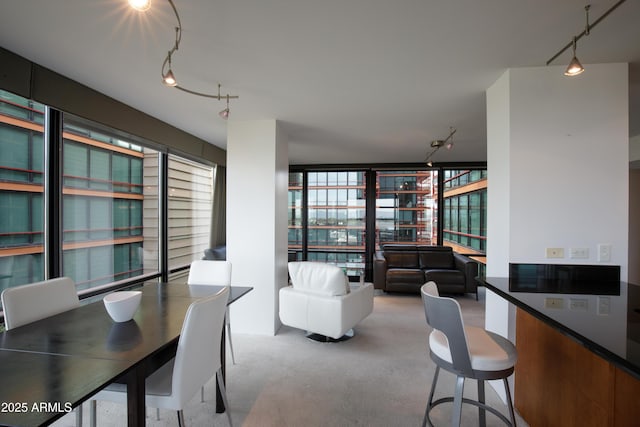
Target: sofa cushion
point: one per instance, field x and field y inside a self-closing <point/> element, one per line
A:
<point x="319" y="278"/>
<point x="444" y="276"/>
<point x="438" y="257"/>
<point x="401" y="256"/>
<point x="405" y="276"/>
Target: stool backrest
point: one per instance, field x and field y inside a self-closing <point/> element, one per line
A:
<point x="444" y="314"/>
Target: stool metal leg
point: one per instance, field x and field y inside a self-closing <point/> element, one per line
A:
<point x="431" y="393"/>
<point x="509" y="402"/>
<point x="481" y="412"/>
<point x="457" y="402"/>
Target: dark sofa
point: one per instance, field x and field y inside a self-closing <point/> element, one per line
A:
<point x="405" y="268"/>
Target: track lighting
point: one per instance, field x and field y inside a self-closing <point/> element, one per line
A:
<point x="575" y="67"/>
<point x="168" y="76"/>
<point x="140" y="5"/>
<point x="438" y="144"/>
<point x="225" y="113"/>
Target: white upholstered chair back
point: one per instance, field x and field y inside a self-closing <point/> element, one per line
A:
<point x="210" y="272"/>
<point x="318" y="278"/>
<point x="198" y="355"/>
<point x="28" y="303"/>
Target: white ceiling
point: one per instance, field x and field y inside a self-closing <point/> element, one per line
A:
<point x="353" y="81"/>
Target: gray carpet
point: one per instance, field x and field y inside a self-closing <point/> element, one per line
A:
<point x="381" y="377"/>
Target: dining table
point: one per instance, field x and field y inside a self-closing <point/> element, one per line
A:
<point x="52" y="365"/>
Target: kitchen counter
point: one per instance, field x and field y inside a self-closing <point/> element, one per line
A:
<point x="578" y="349"/>
<point x="605" y="321"/>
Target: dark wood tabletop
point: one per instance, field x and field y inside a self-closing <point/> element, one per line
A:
<point x="88" y="337"/>
<point x="39" y="388"/>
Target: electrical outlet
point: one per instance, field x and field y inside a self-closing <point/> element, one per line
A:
<point x="578" y="304"/>
<point x="557" y="303"/>
<point x="581" y="253"/>
<point x="555" y="253"/>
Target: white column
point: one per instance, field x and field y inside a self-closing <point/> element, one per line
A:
<point x="558" y="170"/>
<point x="257" y="185"/>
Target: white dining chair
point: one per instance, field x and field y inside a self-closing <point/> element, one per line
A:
<point x="35" y="301"/>
<point x="197" y="360"/>
<point x="213" y="272"/>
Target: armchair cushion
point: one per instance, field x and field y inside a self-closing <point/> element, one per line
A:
<point x="318" y="278"/>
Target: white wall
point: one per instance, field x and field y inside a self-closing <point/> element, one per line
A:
<point x="569" y="163"/>
<point x="557" y="161"/>
<point x="257" y="180"/>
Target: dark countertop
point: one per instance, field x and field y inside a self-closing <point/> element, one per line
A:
<point x="605" y="320"/>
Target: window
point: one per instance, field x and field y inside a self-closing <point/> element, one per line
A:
<point x="102" y="207"/>
<point x="335" y="231"/>
<point x="465" y="212"/>
<point x="109" y="199"/>
<point x="190" y="205"/>
<point x="21" y="200"/>
<point x="406" y="207"/>
<point x="407" y="211"/>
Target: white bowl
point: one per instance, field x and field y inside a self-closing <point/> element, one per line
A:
<point x="122" y="305"/>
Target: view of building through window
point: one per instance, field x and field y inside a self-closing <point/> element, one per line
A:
<point x="110" y="201"/>
<point x="406" y="211"/>
<point x="406" y="207"/>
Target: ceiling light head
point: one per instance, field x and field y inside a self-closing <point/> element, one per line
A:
<point x="169" y="79"/>
<point x="575" y="67"/>
<point x="437" y="143"/>
<point x="430" y="163"/>
<point x="224" y="113"/>
<point x="140" y="5"/>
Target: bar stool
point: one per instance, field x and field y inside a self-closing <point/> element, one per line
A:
<point x="467" y="352"/>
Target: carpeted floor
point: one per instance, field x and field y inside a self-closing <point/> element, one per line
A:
<point x="381" y="377"/>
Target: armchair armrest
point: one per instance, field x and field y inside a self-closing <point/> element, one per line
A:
<point x="470" y="269"/>
<point x="327" y="315"/>
<point x="379" y="270"/>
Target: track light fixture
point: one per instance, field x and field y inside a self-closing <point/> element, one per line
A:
<point x="575" y="67"/>
<point x="168" y="76"/>
<point x="438" y="144"/>
<point x="225" y="113"/>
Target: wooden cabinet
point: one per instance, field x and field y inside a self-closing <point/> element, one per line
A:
<point x="559" y="382"/>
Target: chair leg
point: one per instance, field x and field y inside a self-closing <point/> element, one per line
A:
<point x="202" y="394"/>
<point x="431" y="393"/>
<point x="93" y="413"/>
<point x="481" y="412"/>
<point x="228" y="323"/>
<point x="223" y="392"/>
<point x="157" y="414"/>
<point x="181" y="418"/>
<point x="509" y="402"/>
<point x="79" y="416"/>
<point x="457" y="402"/>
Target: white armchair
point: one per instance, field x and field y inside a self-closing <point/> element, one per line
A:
<point x="321" y="301"/>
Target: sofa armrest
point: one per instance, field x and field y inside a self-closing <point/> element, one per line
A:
<point x="470" y="269"/>
<point x="379" y="270"/>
